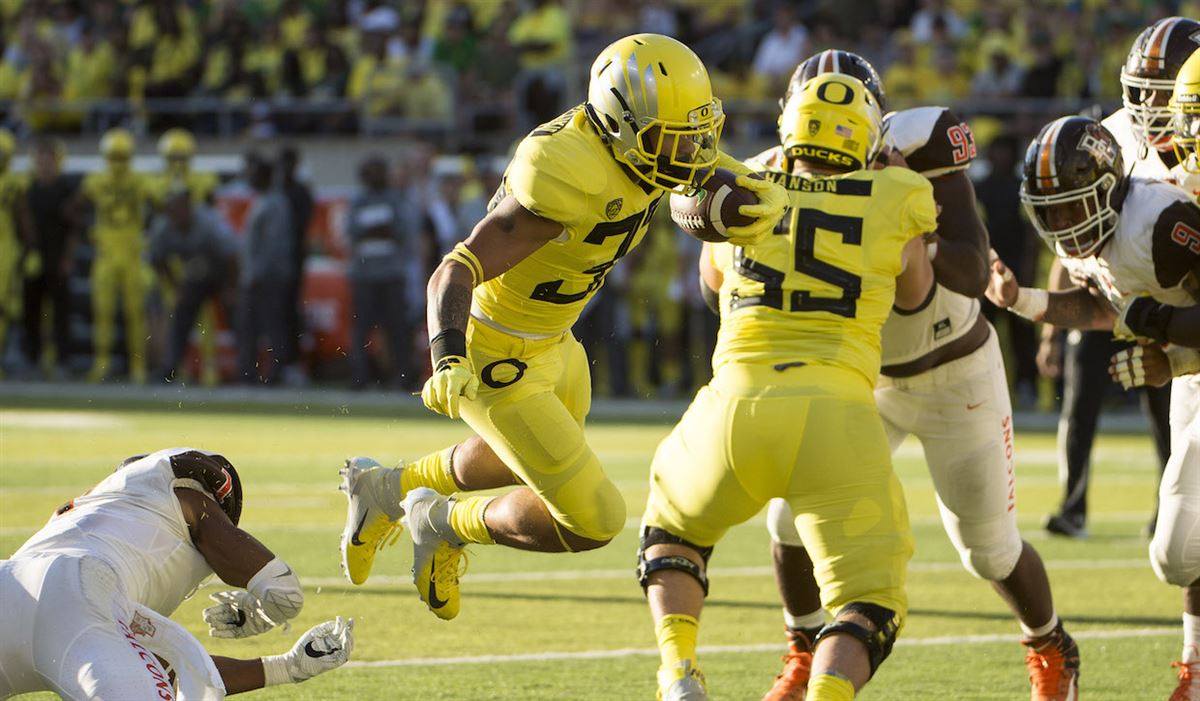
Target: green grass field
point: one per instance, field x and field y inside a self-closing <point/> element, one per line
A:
<point x="537" y="626"/>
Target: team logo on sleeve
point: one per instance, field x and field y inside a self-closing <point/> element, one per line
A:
<point x="614" y="208"/>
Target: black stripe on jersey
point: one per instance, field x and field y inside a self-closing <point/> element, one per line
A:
<point x="920" y="307"/>
<point x="801" y="183"/>
<point x="1175" y="243"/>
<point x="951" y="145"/>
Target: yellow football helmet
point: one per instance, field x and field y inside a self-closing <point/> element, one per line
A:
<point x="1185" y="114"/>
<point x="650" y="98"/>
<point x="117" y="148"/>
<point x="8" y="146"/>
<point x="833" y="120"/>
<point x="177" y="147"/>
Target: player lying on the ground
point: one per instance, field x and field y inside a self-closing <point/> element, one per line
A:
<point x="790" y="412"/>
<point x="86" y="598"/>
<point x="942" y="381"/>
<point x="1134" y="246"/>
<point x="577" y="197"/>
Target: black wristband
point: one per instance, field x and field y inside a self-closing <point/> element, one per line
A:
<point x="448" y="342"/>
<point x="1149" y="319"/>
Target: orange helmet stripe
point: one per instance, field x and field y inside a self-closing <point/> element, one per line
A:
<point x="1157" y="50"/>
<point x="1047" y="171"/>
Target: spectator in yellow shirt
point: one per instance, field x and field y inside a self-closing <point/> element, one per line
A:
<point x="542" y="36"/>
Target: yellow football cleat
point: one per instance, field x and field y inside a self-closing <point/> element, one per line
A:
<point x="368" y="524"/>
<point x="437" y="563"/>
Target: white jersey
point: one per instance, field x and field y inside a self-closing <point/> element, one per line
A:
<point x="934" y="143"/>
<point x="1190" y="182"/>
<point x="133" y="522"/>
<point x="1155" y="246"/>
<point x="1151" y="165"/>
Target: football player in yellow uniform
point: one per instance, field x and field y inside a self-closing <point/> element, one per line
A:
<point x="119" y="197"/>
<point x="1185" y="124"/>
<point x="790" y="411"/>
<point x="177" y="147"/>
<point x="13" y="230"/>
<point x="577" y="196"/>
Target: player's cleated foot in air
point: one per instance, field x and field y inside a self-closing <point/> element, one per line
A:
<point x="792" y="682"/>
<point x="683" y="682"/>
<point x="1189" y="681"/>
<point x="1053" y="663"/>
<point x="1061" y="525"/>
<point x="371" y="523"/>
<point x="437" y="563"/>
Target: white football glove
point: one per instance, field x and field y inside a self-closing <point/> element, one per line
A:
<point x="237" y="614"/>
<point x="324" y="647"/>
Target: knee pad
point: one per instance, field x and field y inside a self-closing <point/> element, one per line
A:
<point x="602" y="520"/>
<point x="994" y="562"/>
<point x="781" y="523"/>
<point x="1167" y="557"/>
<point x="878" y="642"/>
<point x="652" y="535"/>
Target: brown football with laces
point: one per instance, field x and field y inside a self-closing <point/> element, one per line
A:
<point x="708" y="213"/>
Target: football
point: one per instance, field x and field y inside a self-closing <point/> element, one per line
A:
<point x="711" y="210"/>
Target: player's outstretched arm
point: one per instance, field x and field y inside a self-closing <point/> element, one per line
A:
<point x="960" y="243"/>
<point x="711" y="279"/>
<point x="916" y="276"/>
<point x="1077" y="308"/>
<point x="321" y="649"/>
<point x="506" y="236"/>
<point x="1146" y="318"/>
<point x="272" y="593"/>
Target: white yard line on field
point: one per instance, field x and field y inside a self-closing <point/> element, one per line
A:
<point x="756" y="647"/>
<point x="755" y="571"/>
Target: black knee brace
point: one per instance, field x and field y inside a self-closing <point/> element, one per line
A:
<point x="879" y="642"/>
<point x="656" y="536"/>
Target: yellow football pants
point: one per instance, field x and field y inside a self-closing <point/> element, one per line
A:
<point x="810" y="435"/>
<point x="533" y="398"/>
<point x="122" y="275"/>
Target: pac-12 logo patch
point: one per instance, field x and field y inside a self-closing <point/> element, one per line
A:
<point x="613" y="208"/>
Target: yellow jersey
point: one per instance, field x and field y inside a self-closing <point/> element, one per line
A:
<point x="563" y="172"/>
<point x="819" y="289"/>
<point x="120" y="202"/>
<point x="200" y="186"/>
<point x="12" y="187"/>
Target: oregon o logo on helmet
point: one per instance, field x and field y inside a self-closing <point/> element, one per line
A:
<point x="844" y="96"/>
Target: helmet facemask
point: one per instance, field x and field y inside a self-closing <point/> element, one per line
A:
<point x="1145" y="100"/>
<point x="671" y="155"/>
<point x="1076" y="223"/>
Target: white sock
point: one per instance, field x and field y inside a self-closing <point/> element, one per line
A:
<point x="816" y="619"/>
<point x="1191" y="638"/>
<point x="1035" y="633"/>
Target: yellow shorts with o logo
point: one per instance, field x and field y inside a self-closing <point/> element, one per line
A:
<point x="811" y="435"/>
<point x="532" y="402"/>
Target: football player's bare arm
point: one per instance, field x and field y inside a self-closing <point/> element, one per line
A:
<point x="506" y="236"/>
<point x="711" y="280"/>
<point x="324" y="647"/>
<point x="240" y="676"/>
<point x="234" y="555"/>
<point x="1075" y="308"/>
<point x="916" y="278"/>
<point x="961" y="262"/>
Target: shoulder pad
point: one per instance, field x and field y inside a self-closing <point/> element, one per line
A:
<point x="214" y="475"/>
<point x="1175" y="242"/>
<point x="552" y="175"/>
<point x="933" y="140"/>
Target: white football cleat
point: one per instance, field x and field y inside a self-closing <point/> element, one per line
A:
<point x="437" y="563"/>
<point x="683" y="682"/>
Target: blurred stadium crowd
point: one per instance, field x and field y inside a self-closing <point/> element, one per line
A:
<point x="293" y="282"/>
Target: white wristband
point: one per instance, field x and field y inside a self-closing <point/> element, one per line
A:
<point x="931" y="250"/>
<point x="275" y="671"/>
<point x="1031" y="303"/>
<point x="1184" y="361"/>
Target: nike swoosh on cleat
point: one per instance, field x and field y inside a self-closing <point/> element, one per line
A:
<point x="313" y="652"/>
<point x="434" y="601"/>
<point x="289" y="571"/>
<point x="354" y="538"/>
